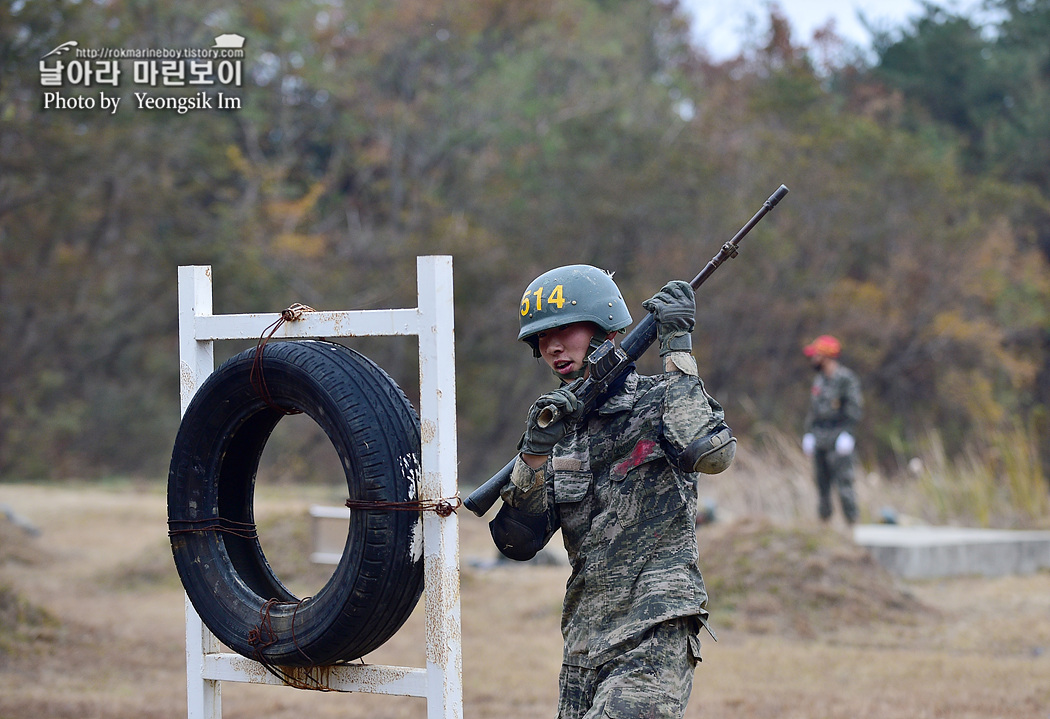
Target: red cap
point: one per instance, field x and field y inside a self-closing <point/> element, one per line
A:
<point x="824" y="345"/>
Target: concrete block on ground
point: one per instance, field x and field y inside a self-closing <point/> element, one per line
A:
<point x="329" y="526"/>
<point x="929" y="552"/>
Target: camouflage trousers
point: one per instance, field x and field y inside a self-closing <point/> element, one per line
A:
<point x="652" y="680"/>
<point x="834" y="470"/>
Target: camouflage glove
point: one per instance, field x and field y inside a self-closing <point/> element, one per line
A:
<point x="675" y="310"/>
<point x="541" y="440"/>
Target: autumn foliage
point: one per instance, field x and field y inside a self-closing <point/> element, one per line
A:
<point x="515" y="137"/>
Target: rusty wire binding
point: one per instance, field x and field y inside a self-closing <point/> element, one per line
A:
<point x="441" y="507"/>
<point x="244" y="530"/>
<point x="263" y="635"/>
<point x="290" y="314"/>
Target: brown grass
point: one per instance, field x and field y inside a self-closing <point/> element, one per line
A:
<point x="809" y="626"/>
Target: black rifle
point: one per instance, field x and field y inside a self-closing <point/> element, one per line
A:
<point x="608" y="361"/>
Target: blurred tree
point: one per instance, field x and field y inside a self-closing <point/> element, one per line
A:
<point x="989" y="81"/>
<point x="942" y="65"/>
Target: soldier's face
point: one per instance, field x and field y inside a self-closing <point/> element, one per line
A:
<point x="565" y="348"/>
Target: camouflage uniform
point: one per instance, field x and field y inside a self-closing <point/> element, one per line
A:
<point x="835" y="407"/>
<point x="635" y="600"/>
<point x="652" y="678"/>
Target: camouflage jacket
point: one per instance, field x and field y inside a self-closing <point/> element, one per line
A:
<point x="835" y="406"/>
<point x="628" y="517"/>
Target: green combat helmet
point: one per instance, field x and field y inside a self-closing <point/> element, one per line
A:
<point x="574" y="293"/>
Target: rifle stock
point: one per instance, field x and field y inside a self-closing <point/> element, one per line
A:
<point x="608" y="361"/>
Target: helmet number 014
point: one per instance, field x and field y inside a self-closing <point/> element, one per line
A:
<point x="555" y="298"/>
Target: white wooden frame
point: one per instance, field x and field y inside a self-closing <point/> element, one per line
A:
<point x="441" y="682"/>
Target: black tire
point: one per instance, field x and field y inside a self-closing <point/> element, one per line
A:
<point x="211" y="482"/>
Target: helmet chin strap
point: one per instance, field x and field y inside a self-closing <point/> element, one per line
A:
<point x="594" y="344"/>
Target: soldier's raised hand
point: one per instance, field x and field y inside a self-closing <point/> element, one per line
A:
<point x="674" y="307"/>
<point x="540" y="436"/>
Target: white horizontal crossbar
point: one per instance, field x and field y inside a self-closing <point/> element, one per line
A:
<point x="357" y="323"/>
<point x="368" y="678"/>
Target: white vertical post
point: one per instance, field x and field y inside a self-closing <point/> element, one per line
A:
<point x="441" y="682"/>
<point x="196" y="357"/>
<point x="437" y="408"/>
<point x="196" y="362"/>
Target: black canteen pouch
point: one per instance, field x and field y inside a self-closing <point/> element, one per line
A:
<point x="519" y="535"/>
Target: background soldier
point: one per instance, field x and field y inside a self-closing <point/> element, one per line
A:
<point x="834" y="410"/>
<point x="620" y="483"/>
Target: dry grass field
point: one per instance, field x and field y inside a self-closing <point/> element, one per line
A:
<point x="92" y="623"/>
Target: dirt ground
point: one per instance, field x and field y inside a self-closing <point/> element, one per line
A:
<point x="92" y="623"/>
